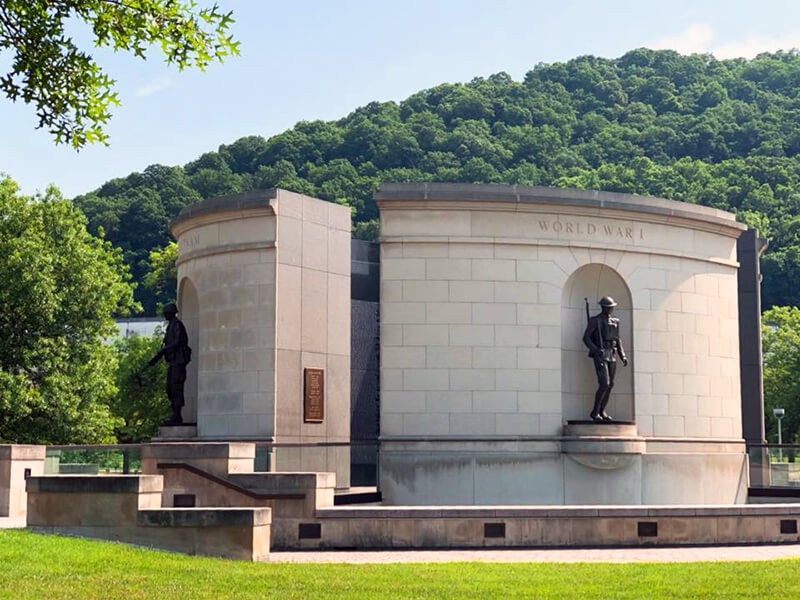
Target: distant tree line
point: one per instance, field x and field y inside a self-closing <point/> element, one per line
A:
<point x="692" y="128"/>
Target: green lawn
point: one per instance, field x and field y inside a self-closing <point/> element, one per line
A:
<point x="40" y="567"/>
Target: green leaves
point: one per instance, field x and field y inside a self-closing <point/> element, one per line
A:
<point x="162" y="279"/>
<point x="139" y="403"/>
<point x="61" y="289"/>
<point x="70" y="92"/>
<point x="719" y="133"/>
<point x="781" y="347"/>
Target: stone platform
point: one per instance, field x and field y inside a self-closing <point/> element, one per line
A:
<point x="535" y="526"/>
<point x="127" y="508"/>
<point x="602" y="445"/>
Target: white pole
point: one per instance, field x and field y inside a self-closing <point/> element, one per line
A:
<point x="780" y="448"/>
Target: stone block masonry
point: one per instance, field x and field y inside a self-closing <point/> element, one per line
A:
<point x="127" y="508"/>
<point x="17" y="463"/>
<point x="264" y="281"/>
<point x="482" y="314"/>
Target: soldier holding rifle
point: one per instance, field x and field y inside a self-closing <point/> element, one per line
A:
<point x="602" y="339"/>
<point x="175" y="350"/>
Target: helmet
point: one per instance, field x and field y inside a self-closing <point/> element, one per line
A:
<point x="170" y="307"/>
<point x="607" y="301"/>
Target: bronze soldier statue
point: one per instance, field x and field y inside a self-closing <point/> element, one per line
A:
<point x="175" y="350"/>
<point x="602" y="339"/>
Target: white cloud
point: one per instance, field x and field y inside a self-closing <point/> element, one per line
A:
<point x="153" y="87"/>
<point x="701" y="38"/>
<point x="695" y="38"/>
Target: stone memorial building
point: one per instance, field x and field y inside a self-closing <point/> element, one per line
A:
<point x="264" y="292"/>
<point x="482" y="360"/>
<point x="459" y="344"/>
<point x="484" y="377"/>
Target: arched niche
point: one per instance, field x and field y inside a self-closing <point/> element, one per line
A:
<point x="189" y="307"/>
<point x="578" y="379"/>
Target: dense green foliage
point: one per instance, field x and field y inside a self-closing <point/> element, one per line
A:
<point x="140" y="402"/>
<point x="781" y="346"/>
<point x="70" y="91"/>
<point x="42" y="567"/>
<point x="692" y="128"/>
<point x="161" y="280"/>
<point x="61" y="288"/>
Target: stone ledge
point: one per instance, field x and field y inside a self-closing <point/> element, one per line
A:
<point x="601" y="429"/>
<point x="22" y="452"/>
<point x="460" y="512"/>
<point x="284" y="481"/>
<point x="523" y="194"/>
<point x="97" y="484"/>
<point x="204" y="517"/>
<point x="198" y="450"/>
<point x="245" y="200"/>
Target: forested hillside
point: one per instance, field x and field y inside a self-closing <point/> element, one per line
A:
<point x="692" y="128"/>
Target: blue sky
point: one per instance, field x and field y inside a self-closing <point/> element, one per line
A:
<point x="305" y="60"/>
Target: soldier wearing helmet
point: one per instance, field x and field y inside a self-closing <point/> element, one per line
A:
<point x="602" y="339"/>
<point x="175" y="350"/>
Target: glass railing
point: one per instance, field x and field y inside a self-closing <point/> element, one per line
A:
<point x="93" y="459"/>
<point x="774" y="466"/>
<point x="360" y="456"/>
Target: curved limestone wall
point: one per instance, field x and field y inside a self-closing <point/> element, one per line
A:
<point x="482" y="364"/>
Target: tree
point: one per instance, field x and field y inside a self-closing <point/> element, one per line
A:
<point x="162" y="279"/>
<point x="70" y="91"/>
<point x="724" y="134"/>
<point x="61" y="289"/>
<point x="139" y="403"/>
<point x="781" y="347"/>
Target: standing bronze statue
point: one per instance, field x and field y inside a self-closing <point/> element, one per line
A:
<point x="602" y="339"/>
<point x="175" y="350"/>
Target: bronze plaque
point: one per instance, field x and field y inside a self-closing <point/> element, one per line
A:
<point x="314" y="396"/>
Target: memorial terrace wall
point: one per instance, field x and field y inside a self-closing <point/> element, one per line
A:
<point x="482" y="363"/>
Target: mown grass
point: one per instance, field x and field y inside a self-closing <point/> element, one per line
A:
<point x="42" y="567"/>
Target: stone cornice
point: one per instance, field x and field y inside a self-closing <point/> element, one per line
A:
<point x="455" y="196"/>
<point x="235" y="204"/>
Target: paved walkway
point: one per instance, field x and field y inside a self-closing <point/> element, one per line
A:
<point x="563" y="555"/>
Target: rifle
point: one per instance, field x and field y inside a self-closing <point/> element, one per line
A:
<point x="139" y="374"/>
<point x="141" y="371"/>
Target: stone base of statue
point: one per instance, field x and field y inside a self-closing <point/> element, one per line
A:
<point x="600" y="428"/>
<point x="169" y="433"/>
<point x="603" y="445"/>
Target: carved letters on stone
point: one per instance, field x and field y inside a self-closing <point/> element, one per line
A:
<point x="607" y="230"/>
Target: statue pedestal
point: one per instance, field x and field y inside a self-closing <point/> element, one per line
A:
<point x="169" y="433"/>
<point x="602" y="444"/>
<point x="601" y="429"/>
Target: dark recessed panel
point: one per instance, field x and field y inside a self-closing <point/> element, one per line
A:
<point x="310" y="531"/>
<point x="494" y="530"/>
<point x="184" y="501"/>
<point x="788" y="525"/>
<point x="647" y="528"/>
